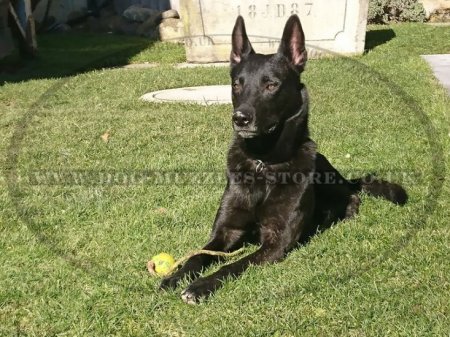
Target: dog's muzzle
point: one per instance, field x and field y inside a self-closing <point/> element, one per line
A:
<point x="241" y="119"/>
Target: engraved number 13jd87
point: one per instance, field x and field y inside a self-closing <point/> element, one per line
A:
<point x="276" y="10"/>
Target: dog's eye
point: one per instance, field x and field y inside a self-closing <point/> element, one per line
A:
<point x="236" y="85"/>
<point x="271" y="86"/>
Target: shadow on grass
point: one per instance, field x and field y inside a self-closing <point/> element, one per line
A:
<point x="62" y="55"/>
<point x="377" y="37"/>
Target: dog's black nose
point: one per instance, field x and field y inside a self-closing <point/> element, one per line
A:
<point x="241" y="119"/>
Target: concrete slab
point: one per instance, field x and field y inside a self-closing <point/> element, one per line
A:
<point x="141" y="65"/>
<point x="205" y="95"/>
<point x="438" y="24"/>
<point x="183" y="65"/>
<point x="204" y="65"/>
<point x="441" y="68"/>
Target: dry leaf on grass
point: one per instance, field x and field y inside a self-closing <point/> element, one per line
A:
<point x="105" y="136"/>
<point x="161" y="210"/>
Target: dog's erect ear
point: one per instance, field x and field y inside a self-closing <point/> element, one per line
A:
<point x="240" y="42"/>
<point x="292" y="43"/>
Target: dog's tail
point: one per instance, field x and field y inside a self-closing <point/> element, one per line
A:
<point x="381" y="188"/>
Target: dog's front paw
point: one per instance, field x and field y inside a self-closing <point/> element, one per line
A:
<point x="201" y="288"/>
<point x="170" y="282"/>
<point x="189" y="297"/>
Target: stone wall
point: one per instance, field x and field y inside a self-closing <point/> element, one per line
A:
<point x="437" y="9"/>
<point x="60" y="10"/>
<point x="6" y="43"/>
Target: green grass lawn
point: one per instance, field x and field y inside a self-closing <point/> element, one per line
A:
<point x="73" y="256"/>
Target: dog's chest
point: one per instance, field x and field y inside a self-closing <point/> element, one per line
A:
<point x="250" y="195"/>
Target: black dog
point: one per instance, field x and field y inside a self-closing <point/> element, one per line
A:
<point x="280" y="191"/>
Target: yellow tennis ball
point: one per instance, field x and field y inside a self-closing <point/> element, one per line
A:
<point x="163" y="262"/>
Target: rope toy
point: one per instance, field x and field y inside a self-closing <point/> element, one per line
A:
<point x="163" y="264"/>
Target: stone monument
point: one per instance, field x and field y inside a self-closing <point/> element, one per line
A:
<point x="337" y="26"/>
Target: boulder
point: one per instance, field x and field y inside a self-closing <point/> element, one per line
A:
<point x="114" y="24"/>
<point x="148" y="28"/>
<point x="171" y="13"/>
<point x="171" y="30"/>
<point x="121" y="5"/>
<point x="107" y="11"/>
<point x="137" y="13"/>
<point x="76" y="15"/>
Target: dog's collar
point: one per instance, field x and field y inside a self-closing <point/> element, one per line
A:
<point x="298" y="114"/>
<point x="304" y="106"/>
<point x="260" y="166"/>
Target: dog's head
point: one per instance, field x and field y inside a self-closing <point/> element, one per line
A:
<point x="266" y="88"/>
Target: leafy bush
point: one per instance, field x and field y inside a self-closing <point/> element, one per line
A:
<point x="385" y="11"/>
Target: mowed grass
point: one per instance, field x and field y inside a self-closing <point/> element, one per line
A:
<point x="74" y="255"/>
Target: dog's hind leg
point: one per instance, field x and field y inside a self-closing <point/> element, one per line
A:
<point x="353" y="206"/>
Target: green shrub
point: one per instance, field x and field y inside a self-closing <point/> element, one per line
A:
<point x="385" y="11"/>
